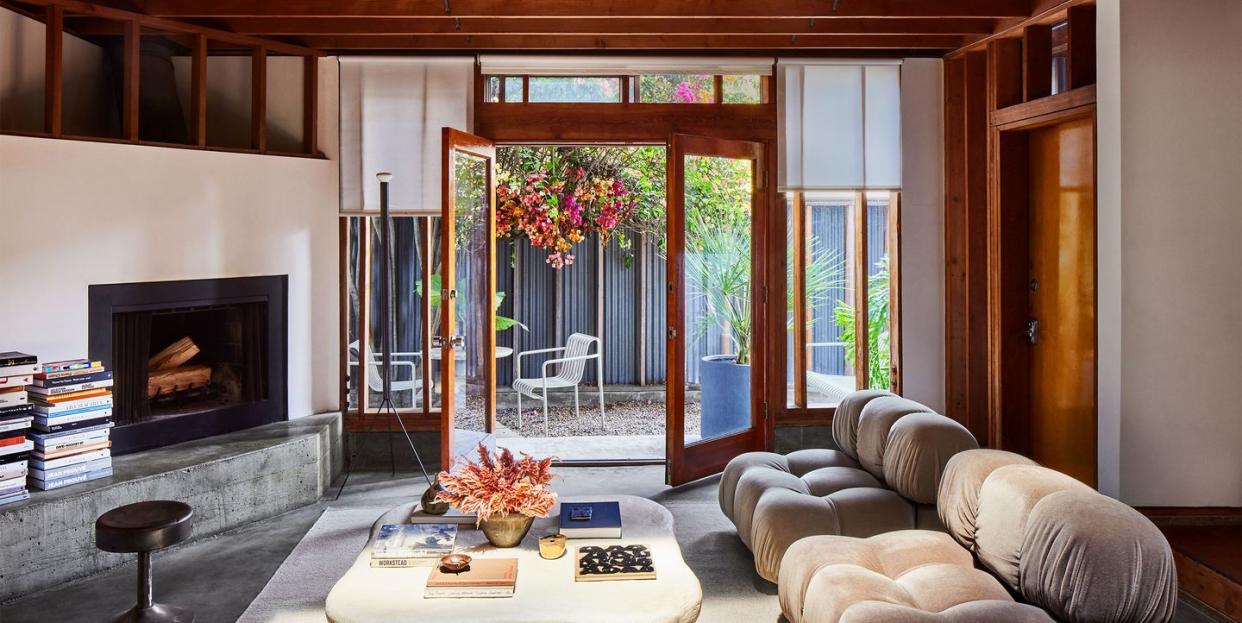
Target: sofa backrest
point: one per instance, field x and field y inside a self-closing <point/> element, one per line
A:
<point x="1080" y="555"/>
<point x="901" y="442"/>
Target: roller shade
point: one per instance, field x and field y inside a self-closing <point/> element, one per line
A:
<point x="392" y="111"/>
<point x="512" y="65"/>
<point x="840" y="125"/>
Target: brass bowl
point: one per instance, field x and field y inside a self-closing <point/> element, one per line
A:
<point x="455" y="563"/>
<point x="552" y="546"/>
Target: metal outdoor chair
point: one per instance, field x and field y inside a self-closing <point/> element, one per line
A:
<point x="568" y="373"/>
<point x="375" y="379"/>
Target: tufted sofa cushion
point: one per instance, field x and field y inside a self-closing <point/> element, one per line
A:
<point x="775" y="500"/>
<point x="1063" y="550"/>
<point x="911" y="575"/>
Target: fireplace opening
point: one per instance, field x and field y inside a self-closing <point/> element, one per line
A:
<point x="198" y="358"/>
<point x="191" y="359"/>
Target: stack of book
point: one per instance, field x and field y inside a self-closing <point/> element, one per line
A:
<point x="412" y="545"/>
<point x="485" y="577"/>
<point x="72" y="417"/>
<point x="16" y="371"/>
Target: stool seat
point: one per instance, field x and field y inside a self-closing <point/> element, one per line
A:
<point x="143" y="526"/>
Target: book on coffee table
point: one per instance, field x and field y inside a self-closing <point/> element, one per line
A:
<point x="590" y="520"/>
<point x="614" y="562"/>
<point x="485" y="577"/>
<point x="412" y="545"/>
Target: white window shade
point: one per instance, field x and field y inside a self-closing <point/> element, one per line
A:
<point x="840" y="125"/>
<point x="392" y="112"/>
<point x="493" y="64"/>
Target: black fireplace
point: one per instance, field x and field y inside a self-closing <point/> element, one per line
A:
<point x="191" y="359"/>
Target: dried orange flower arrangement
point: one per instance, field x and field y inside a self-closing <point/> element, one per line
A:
<point x="500" y="485"/>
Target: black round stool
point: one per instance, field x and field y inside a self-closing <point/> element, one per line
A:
<point x="142" y="528"/>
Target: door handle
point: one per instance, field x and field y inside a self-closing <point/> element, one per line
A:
<point x="458" y="342"/>
<point x="1032" y="331"/>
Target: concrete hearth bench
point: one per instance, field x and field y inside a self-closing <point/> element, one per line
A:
<point x="230" y="480"/>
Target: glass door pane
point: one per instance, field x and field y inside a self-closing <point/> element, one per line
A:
<point x="467" y="290"/>
<point x="718" y="318"/>
<point x="829" y="288"/>
<point x="715" y="371"/>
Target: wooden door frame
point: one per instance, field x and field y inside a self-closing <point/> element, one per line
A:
<point x="453" y="141"/>
<point x="1008" y="261"/>
<point x="686" y="463"/>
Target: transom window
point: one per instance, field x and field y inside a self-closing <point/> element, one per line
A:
<point x="661" y="88"/>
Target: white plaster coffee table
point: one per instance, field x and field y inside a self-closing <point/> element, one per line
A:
<point x="546" y="591"/>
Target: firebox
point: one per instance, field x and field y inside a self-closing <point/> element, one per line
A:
<point x="191" y="359"/>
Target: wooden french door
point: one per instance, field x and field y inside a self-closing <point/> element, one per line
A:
<point x="466" y="343"/>
<point x="716" y="296"/>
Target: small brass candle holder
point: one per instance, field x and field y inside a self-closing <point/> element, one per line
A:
<point x="552" y="546"/>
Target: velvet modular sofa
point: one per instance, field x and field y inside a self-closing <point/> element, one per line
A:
<point x="1025" y="544"/>
<point x="884" y="478"/>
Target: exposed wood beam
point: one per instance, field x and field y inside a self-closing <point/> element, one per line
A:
<point x="258" y="99"/>
<point x="271" y="26"/>
<point x="130" y="80"/>
<point x="310" y="105"/>
<point x="198" y="91"/>
<point x="589" y="8"/>
<point x="53" y="80"/>
<point x="652" y="42"/>
<point x="79" y="7"/>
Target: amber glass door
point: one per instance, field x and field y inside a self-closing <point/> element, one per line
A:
<point x="466" y="340"/>
<point x="717" y="215"/>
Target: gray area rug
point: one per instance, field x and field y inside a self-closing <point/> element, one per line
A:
<point x="297" y="591"/>
<point x="731" y="590"/>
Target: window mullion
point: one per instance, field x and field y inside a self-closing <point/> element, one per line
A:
<point x="862" y="378"/>
<point x="800" y="299"/>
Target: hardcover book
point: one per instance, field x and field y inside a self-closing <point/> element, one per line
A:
<point x="15" y="425"/>
<point x="16" y="469"/>
<point x="485" y="577"/>
<point x="615" y="562"/>
<point x="52" y="464"/>
<point x="93" y="413"/>
<point x="18" y="456"/>
<point x="8" y="412"/>
<point x="72" y="388"/>
<point x="75" y="406"/>
<point x="67" y="365"/>
<point x="19" y="497"/>
<point x="76" y="379"/>
<point x="13" y="398"/>
<point x="56" y="454"/>
<point x="71" y="470"/>
<point x="590" y="520"/>
<point x="16" y="381"/>
<point x="47" y="485"/>
<point x="23" y="448"/>
<point x="52" y="427"/>
<point x="60" y="399"/>
<point x="14" y="358"/>
<point x="402" y="545"/>
<point x="96" y="367"/>
<point x="52" y="438"/>
<point x="73" y="440"/>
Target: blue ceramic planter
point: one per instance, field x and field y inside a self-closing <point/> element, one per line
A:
<point x="725" y="396"/>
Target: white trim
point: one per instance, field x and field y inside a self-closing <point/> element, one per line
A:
<point x="785" y="62"/>
<point x="504" y="64"/>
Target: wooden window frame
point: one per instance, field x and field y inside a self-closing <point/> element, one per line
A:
<point x="800" y="413"/>
<point x="364" y="417"/>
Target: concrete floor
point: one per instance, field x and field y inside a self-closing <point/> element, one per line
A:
<point x="219" y="577"/>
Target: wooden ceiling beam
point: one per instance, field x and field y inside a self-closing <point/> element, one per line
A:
<point x="650" y="42"/>
<point x="274" y="26"/>
<point x="588" y="8"/>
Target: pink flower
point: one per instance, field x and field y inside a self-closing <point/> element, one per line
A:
<point x="685" y="93"/>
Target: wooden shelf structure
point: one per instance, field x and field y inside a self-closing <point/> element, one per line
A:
<point x="90" y="20"/>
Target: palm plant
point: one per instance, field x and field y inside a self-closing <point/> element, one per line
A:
<point x="878" y="351"/>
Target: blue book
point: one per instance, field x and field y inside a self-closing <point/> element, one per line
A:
<point x="16" y="497"/>
<point x="591" y="520"/>
<point x="47" y="485"/>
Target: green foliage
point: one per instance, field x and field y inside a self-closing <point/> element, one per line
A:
<point x="878" y="350"/>
<point x="718" y="272"/>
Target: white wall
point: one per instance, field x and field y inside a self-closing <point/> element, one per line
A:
<point x="77" y="213"/>
<point x="922" y="231"/>
<point x="1170" y="271"/>
<point x="87" y="98"/>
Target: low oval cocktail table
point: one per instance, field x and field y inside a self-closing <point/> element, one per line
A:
<point x="546" y="591"/>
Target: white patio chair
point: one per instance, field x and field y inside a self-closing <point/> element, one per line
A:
<point x="375" y="379"/>
<point x="568" y="373"/>
<point x="833" y="387"/>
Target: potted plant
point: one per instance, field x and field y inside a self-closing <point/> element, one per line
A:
<point x="505" y="493"/>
